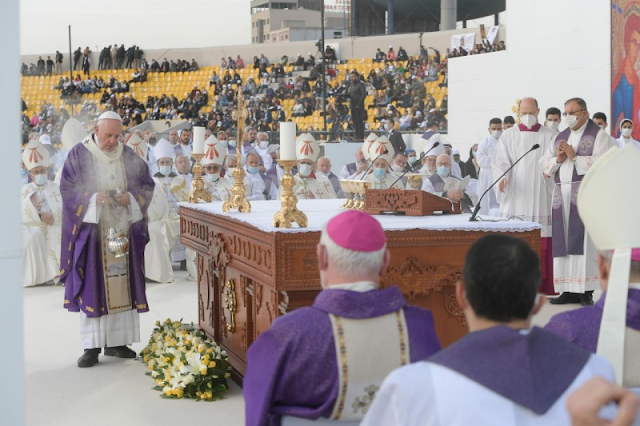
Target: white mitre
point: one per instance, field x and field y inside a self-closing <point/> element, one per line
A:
<point x="366" y="146"/>
<point x="35" y="155"/>
<point x="378" y="148"/>
<point x="136" y="143"/>
<point x="214" y="152"/>
<point x="164" y="149"/>
<point x="72" y="133"/>
<point x="609" y="211"/>
<point x="429" y="148"/>
<point x="307" y="148"/>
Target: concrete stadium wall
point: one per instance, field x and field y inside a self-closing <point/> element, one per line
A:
<point x="553" y="54"/>
<point x="351" y="47"/>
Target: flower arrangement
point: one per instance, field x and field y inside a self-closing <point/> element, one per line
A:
<point x="184" y="363"/>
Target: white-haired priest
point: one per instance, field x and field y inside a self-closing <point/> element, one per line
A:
<point x="106" y="189"/>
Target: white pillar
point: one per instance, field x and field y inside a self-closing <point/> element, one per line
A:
<point x="448" y="14"/>
<point x="11" y="310"/>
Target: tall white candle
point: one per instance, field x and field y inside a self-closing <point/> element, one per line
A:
<point x="288" y="141"/>
<point x="198" y="140"/>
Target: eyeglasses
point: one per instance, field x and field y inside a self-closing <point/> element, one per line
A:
<point x="443" y="164"/>
<point x="564" y="114"/>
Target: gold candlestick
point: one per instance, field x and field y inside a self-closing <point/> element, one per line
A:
<point x="198" y="193"/>
<point x="289" y="212"/>
<point x="237" y="201"/>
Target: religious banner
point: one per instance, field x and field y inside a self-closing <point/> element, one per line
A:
<point x="467" y="41"/>
<point x="625" y="48"/>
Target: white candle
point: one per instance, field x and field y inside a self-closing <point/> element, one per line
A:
<point x="198" y="140"/>
<point x="288" y="141"/>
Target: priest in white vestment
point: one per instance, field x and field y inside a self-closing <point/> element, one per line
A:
<point x="41" y="219"/>
<point x="504" y="372"/>
<point x="308" y="185"/>
<point x="566" y="161"/>
<point x="261" y="185"/>
<point x="522" y="193"/>
<point x="380" y="175"/>
<point x="484" y="158"/>
<point x="443" y="184"/>
<point x="218" y="186"/>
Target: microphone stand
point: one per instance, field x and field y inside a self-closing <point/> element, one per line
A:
<point x="477" y="207"/>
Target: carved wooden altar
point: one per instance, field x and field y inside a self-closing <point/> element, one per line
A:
<point x="248" y="277"/>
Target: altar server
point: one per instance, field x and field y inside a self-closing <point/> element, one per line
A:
<point x="380" y="176"/>
<point x="566" y="161"/>
<point x="296" y="368"/>
<point x="307" y="184"/>
<point x="484" y="157"/>
<point x="522" y="193"/>
<point x="500" y="373"/>
<point x="41" y="219"/>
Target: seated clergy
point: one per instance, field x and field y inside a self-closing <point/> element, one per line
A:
<point x="183" y="167"/>
<point x="444" y="185"/>
<point x="612" y="326"/>
<point x="41" y="219"/>
<point x="306" y="183"/>
<point x="212" y="161"/>
<point x="261" y="185"/>
<point x="352" y="169"/>
<point x="503" y="372"/>
<point x="164" y="218"/>
<point x="380" y="175"/>
<point x="323" y="167"/>
<point x="296" y="368"/>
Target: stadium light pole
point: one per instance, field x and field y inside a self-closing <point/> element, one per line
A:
<point x="70" y="57"/>
<point x="324" y="71"/>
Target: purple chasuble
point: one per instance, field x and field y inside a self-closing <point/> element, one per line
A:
<point x="292" y="367"/>
<point x="582" y="326"/>
<point x="516" y="366"/>
<point x="575" y="235"/>
<point x="81" y="252"/>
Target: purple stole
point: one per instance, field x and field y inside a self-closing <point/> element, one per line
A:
<point x="351" y="168"/>
<point x="437" y="182"/>
<point x="268" y="180"/>
<point x="575" y="243"/>
<point x="427" y="135"/>
<point x="516" y="366"/>
<point x="335" y="181"/>
<point x="272" y="173"/>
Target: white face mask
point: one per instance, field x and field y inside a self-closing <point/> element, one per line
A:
<point x="165" y="170"/>
<point x="232" y="143"/>
<point x="224" y="142"/>
<point x="263" y="144"/>
<point x="528" y="120"/>
<point x="553" y="125"/>
<point x="40" y="179"/>
<point x="496" y="134"/>
<point x="396" y="168"/>
<point x="230" y="171"/>
<point x="304" y="169"/>
<point x="626" y="132"/>
<point x="213" y="177"/>
<point x="570" y="121"/>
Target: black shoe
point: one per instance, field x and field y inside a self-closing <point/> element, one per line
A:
<point x="565" y="299"/>
<point x="183" y="265"/>
<point x="586" y="299"/>
<point x="120" y="352"/>
<point x="89" y="358"/>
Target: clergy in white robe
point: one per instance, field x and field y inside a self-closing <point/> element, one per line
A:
<point x="626" y="128"/>
<point x="566" y="161"/>
<point x="484" y="158"/>
<point x="522" y="193"/>
<point x="500" y="373"/>
<point x="307" y="184"/>
<point x="41" y="219"/>
<point x="380" y="175"/>
<point x="261" y="185"/>
<point x="443" y="184"/>
<point x="218" y="186"/>
<point x="351" y="169"/>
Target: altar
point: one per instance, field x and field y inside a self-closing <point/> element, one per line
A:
<point x="249" y="272"/>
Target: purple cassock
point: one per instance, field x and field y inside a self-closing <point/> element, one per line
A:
<point x="81" y="254"/>
<point x="517" y="366"/>
<point x="292" y="367"/>
<point x="582" y="326"/>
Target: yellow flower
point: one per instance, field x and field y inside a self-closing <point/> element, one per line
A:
<point x="212" y="364"/>
<point x="210" y="350"/>
<point x="201" y="349"/>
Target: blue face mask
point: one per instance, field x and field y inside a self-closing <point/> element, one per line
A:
<point x="443" y="171"/>
<point x="253" y="170"/>
<point x="379" y="172"/>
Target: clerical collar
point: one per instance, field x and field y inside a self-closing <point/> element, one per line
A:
<point x="359" y="286"/>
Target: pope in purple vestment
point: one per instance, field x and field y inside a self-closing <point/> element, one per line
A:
<point x="81" y="254"/>
<point x="292" y="368"/>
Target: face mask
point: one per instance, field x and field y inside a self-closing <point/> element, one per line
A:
<point x="412" y="160"/>
<point x="165" y="170"/>
<point x="379" y="172"/>
<point x="443" y="171"/>
<point x="213" y="177"/>
<point x="230" y="171"/>
<point x="386" y="126"/>
<point x="305" y="169"/>
<point x="626" y="132"/>
<point x="474" y="153"/>
<point x="253" y="170"/>
<point x="224" y="143"/>
<point x="553" y="125"/>
<point x="570" y="121"/>
<point x="40" y="179"/>
<point x="396" y="168"/>
<point x="263" y="144"/>
<point x="232" y="143"/>
<point x="496" y="134"/>
<point x="324" y="173"/>
<point x="528" y="120"/>
<point x="152" y="141"/>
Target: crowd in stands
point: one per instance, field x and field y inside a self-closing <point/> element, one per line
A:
<point x="478" y="48"/>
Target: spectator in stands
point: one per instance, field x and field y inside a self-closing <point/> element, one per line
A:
<point x="391" y="55"/>
<point x="137" y="57"/>
<point x="330" y="54"/>
<point x="76" y="57"/>
<point x="194" y="65"/>
<point x="49" y="65"/>
<point x="402" y="55"/>
<point x="357" y="94"/>
<point x="380" y="56"/>
<point x="239" y="62"/>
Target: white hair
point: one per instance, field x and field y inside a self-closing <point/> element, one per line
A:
<point x="265" y="134"/>
<point x="350" y="262"/>
<point x="607" y="256"/>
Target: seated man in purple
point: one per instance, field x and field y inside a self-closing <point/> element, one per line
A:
<point x="328" y="360"/>
<point x="503" y="372"/>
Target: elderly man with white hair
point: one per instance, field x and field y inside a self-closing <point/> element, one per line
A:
<point x="323" y="167"/>
<point x="445" y="185"/>
<point x="261" y="185"/>
<point x="353" y="325"/>
<point x="307" y="184"/>
<point x="106" y="189"/>
<point x="41" y="219"/>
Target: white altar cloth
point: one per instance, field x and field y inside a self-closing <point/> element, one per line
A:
<point x="320" y="211"/>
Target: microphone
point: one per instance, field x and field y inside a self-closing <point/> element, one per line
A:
<point x="477" y="207"/>
<point x="419" y="162"/>
<point x="386" y="151"/>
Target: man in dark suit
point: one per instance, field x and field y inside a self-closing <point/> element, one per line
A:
<point x="357" y="94"/>
<point x="394" y="136"/>
<point x="76" y="58"/>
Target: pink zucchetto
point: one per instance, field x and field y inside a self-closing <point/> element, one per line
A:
<point x="357" y="231"/>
